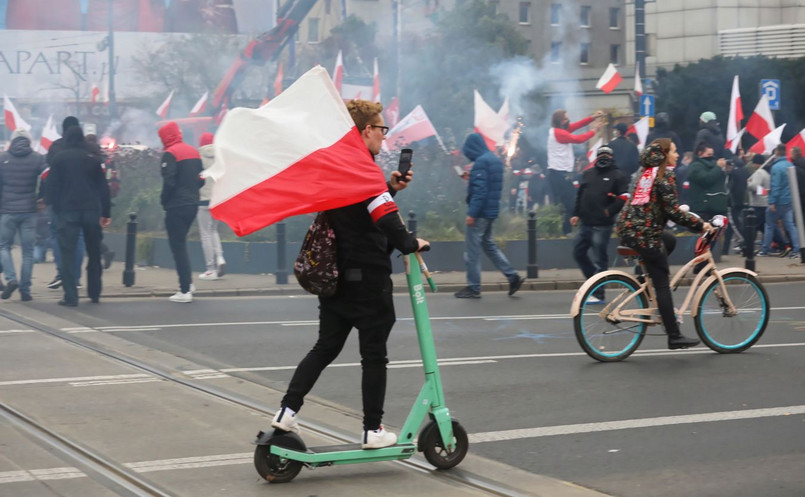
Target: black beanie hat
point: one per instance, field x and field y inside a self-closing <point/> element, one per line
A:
<point x="68" y="123"/>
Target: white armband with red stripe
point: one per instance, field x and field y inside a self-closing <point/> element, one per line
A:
<point x="382" y="204"/>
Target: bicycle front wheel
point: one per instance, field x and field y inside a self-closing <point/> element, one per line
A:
<point x="600" y="335"/>
<point x="732" y="332"/>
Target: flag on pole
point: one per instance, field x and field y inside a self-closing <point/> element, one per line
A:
<point x="736" y="115"/>
<point x="761" y="122"/>
<point x="338" y="72"/>
<point x="591" y="153"/>
<point x="412" y="128"/>
<point x="609" y="80"/>
<point x="376" y="84"/>
<point x="49" y="135"/>
<point x="200" y="105"/>
<point x="93" y="93"/>
<point x="797" y="141"/>
<point x="640" y="128"/>
<point x="766" y="144"/>
<point x="278" y="81"/>
<point x="638" y="82"/>
<point x="13" y="118"/>
<point x="393" y="113"/>
<point x="504" y="110"/>
<point x="732" y="144"/>
<point x="489" y="124"/>
<point x="162" y="110"/>
<point x="298" y="154"/>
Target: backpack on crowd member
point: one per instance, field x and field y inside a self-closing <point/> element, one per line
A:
<point x="316" y="266"/>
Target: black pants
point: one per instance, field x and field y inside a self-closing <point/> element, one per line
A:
<point x="69" y="223"/>
<point x="656" y="263"/>
<point x="178" y="221"/>
<point x="369" y="309"/>
<point x="563" y="192"/>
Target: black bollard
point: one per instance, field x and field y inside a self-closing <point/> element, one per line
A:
<point x="750" y="232"/>
<point x="131" y="250"/>
<point x="412" y="222"/>
<point x="282" y="271"/>
<point x="532" y="270"/>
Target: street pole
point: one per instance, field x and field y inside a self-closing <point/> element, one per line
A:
<point x="112" y="102"/>
<point x="639" y="45"/>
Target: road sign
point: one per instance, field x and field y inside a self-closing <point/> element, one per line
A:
<point x="771" y="88"/>
<point x="647" y="105"/>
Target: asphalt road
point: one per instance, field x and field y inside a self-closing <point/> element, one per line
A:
<point x="687" y="423"/>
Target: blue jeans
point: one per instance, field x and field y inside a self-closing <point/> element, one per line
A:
<point x="479" y="236"/>
<point x="10" y="224"/>
<point x="597" y="238"/>
<point x="786" y="213"/>
<point x="79" y="250"/>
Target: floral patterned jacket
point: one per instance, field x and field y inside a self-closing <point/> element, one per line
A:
<point x="642" y="225"/>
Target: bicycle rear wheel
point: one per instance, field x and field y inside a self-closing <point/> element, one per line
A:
<point x="732" y="333"/>
<point x="602" y="337"/>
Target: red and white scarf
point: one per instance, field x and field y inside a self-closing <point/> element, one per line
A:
<point x="642" y="193"/>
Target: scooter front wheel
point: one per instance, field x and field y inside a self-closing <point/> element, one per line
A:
<point x="274" y="468"/>
<point x="430" y="443"/>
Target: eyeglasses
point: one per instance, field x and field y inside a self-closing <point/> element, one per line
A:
<point x="383" y="129"/>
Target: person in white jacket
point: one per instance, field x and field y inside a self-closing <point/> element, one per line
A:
<point x="207" y="225"/>
<point x="757" y="189"/>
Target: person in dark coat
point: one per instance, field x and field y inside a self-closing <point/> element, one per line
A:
<point x="710" y="133"/>
<point x="625" y="152"/>
<point x="737" y="175"/>
<point x="78" y="193"/>
<point x="483" y="207"/>
<point x="662" y="129"/>
<point x="20" y="168"/>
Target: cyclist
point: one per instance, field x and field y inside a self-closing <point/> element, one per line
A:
<point x="652" y="203"/>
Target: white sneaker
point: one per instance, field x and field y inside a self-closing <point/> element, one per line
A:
<point x="182" y="298"/>
<point x="285" y="420"/>
<point x="595" y="300"/>
<point x="377" y="439"/>
<point x="192" y="288"/>
<point x="221" y="263"/>
<point x="208" y="275"/>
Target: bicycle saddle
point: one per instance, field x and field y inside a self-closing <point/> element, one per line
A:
<point x="627" y="251"/>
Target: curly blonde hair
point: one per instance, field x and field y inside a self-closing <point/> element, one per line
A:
<point x="364" y="112"/>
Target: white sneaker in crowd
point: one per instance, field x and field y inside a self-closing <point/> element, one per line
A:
<point x="221" y="263"/>
<point x="377" y="439"/>
<point x="182" y="298"/>
<point x="285" y="420"/>
<point x="208" y="275"/>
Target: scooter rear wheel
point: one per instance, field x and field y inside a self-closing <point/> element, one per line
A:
<point x="273" y="468"/>
<point x="430" y="443"/>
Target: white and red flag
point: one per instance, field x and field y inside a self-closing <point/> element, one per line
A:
<point x="736" y="114"/>
<point x="49" y="134"/>
<point x="638" y="82"/>
<point x="200" y="106"/>
<point x="393" y="113"/>
<point x="278" y="81"/>
<point x="162" y="110"/>
<point x="591" y="153"/>
<point x="338" y="72"/>
<point x="93" y="93"/>
<point x="732" y="144"/>
<point x="761" y="122"/>
<point x="13" y="118"/>
<point x="489" y="123"/>
<point x="376" y="84"/>
<point x="298" y="154"/>
<point x="797" y="141"/>
<point x="412" y="128"/>
<point x="609" y="80"/>
<point x="640" y="128"/>
<point x="766" y="144"/>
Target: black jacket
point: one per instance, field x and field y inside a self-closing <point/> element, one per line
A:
<point x="76" y="181"/>
<point x="711" y="134"/>
<point x="181" y="169"/>
<point x="736" y="182"/>
<point x="626" y="155"/>
<point x="20" y="169"/>
<point x="601" y="195"/>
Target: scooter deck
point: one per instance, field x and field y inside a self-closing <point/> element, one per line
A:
<point x="345" y="454"/>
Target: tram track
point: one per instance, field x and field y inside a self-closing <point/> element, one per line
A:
<point x="113" y="474"/>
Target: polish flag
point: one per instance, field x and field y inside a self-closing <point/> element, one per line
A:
<point x="593" y="150"/>
<point x="736" y="114"/>
<point x="393" y="113"/>
<point x="376" y="84"/>
<point x="94" y="92"/>
<point x="162" y="110"/>
<point x="49" y="135"/>
<point x="338" y="72"/>
<point x="638" y="83"/>
<point x="13" y="118"/>
<point x="797" y="141"/>
<point x="766" y="144"/>
<point x="761" y="122"/>
<point x="278" y="81"/>
<point x="609" y="80"/>
<point x="200" y="105"/>
<point x="489" y="123"/>
<point x="732" y="144"/>
<point x="640" y="128"/>
<point x="298" y="154"/>
<point x="412" y="128"/>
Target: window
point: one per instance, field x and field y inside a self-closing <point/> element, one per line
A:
<point x="584" y="16"/>
<point x="614" y="54"/>
<point x="525" y="10"/>
<point x="614" y="18"/>
<point x="556" y="49"/>
<point x="555" y="9"/>
<point x="584" y="57"/>
<point x="313" y="30"/>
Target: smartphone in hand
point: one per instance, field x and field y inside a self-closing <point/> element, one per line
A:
<point x="405" y="163"/>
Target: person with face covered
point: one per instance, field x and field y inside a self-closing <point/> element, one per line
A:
<point x="602" y="192"/>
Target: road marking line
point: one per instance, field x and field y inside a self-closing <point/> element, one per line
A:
<point x="112" y="382"/>
<point x="549" y="431"/>
<point x="10" y="332"/>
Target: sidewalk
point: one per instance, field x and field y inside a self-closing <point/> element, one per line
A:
<point x="161" y="282"/>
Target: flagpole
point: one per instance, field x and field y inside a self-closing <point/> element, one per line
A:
<point x="639" y="44"/>
<point x="112" y="100"/>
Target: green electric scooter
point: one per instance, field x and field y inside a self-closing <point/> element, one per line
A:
<point x="280" y="455"/>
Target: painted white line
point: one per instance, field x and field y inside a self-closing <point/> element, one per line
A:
<point x="191" y="462"/>
<point x="12" y="332"/>
<point x="549" y="431"/>
<point x="112" y="382"/>
<point x="451" y="363"/>
<point x="75" y="379"/>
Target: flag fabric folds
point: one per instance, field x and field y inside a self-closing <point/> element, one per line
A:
<point x="278" y="81"/>
<point x="736" y="114"/>
<point x="640" y="128"/>
<point x="593" y="150"/>
<point x="298" y="154"/>
<point x="412" y="128"/>
<point x="162" y="110"/>
<point x="609" y="80"/>
<point x="338" y="72"/>
<point x="797" y="141"/>
<point x="732" y="144"/>
<point x="49" y="135"/>
<point x="13" y="118"/>
<point x="200" y="105"/>
<point x="393" y="113"/>
<point x="761" y="122"/>
<point x="766" y="144"/>
<point x="638" y="83"/>
<point x="489" y="124"/>
<point x="93" y="93"/>
<point x="376" y="84"/>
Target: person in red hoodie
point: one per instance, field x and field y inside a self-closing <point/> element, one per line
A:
<point x="181" y="181"/>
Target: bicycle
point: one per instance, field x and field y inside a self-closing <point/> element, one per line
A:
<point x="729" y="307"/>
